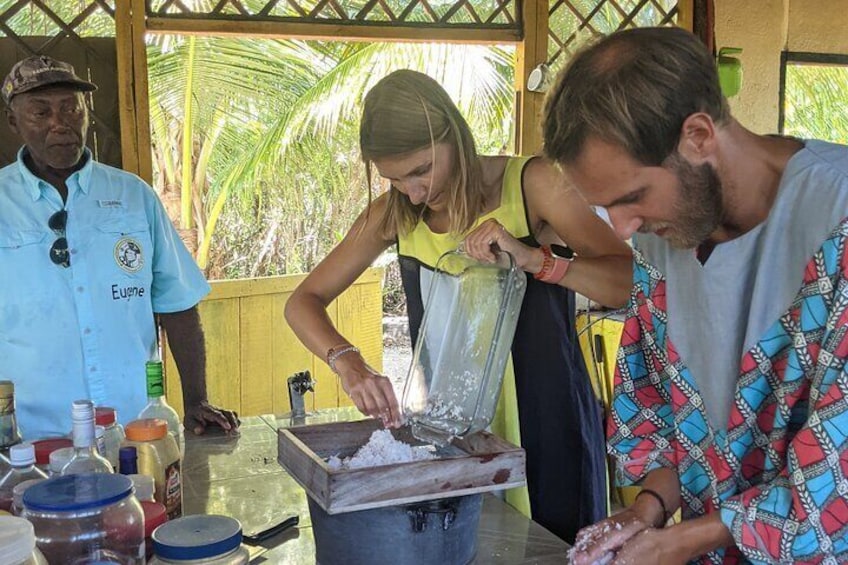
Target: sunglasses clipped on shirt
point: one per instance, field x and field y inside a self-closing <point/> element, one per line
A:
<point x="59" y="253"/>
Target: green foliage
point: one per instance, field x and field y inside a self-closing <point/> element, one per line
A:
<point x="275" y="130"/>
<point x="39" y="18"/>
<point x="816" y="102"/>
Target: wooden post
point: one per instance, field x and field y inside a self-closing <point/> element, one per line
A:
<point x="142" y="99"/>
<point x="532" y="51"/>
<point x="133" y="102"/>
<point x="126" y="95"/>
<point x="686" y="14"/>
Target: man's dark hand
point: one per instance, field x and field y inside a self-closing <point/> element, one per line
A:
<point x="199" y="417"/>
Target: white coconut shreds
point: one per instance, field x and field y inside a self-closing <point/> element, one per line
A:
<point x="382" y="449"/>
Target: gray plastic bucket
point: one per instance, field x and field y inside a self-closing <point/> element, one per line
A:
<point x="437" y="532"/>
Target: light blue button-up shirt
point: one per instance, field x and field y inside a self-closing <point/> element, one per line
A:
<point x="85" y="331"/>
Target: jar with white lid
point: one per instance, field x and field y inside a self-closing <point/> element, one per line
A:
<point x="199" y="540"/>
<point x="58" y="459"/>
<point x="17" y="543"/>
<point x="86" y="518"/>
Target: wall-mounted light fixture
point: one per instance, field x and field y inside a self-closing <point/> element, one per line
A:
<point x="539" y="78"/>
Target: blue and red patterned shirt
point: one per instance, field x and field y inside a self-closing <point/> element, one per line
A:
<point x="778" y="471"/>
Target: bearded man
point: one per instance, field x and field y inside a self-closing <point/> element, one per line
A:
<point x="729" y="399"/>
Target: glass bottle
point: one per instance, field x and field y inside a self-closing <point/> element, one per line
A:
<point x="22" y="458"/>
<point x="157" y="406"/>
<point x="86" y="459"/>
<point x="9" y="432"/>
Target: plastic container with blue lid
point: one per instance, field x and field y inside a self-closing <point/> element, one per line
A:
<point x="201" y="539"/>
<point x="86" y="517"/>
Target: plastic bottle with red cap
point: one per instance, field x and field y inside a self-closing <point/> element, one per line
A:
<point x="113" y="433"/>
<point x="155" y="513"/>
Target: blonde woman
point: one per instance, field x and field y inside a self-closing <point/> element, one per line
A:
<point x="442" y="193"/>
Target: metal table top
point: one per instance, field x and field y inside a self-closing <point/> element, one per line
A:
<point x="240" y="477"/>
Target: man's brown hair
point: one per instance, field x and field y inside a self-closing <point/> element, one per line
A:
<point x="634" y="88"/>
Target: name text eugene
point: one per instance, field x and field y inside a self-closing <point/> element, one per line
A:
<point x="126" y="292"/>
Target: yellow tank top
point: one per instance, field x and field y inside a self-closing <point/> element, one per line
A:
<point x="427" y="246"/>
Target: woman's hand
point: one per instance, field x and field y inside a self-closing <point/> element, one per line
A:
<point x="372" y="393"/>
<point x="479" y="244"/>
<point x="596" y="542"/>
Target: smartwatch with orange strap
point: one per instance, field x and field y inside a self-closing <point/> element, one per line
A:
<point x="555" y="262"/>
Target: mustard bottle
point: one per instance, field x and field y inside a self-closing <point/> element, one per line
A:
<point x="158" y="457"/>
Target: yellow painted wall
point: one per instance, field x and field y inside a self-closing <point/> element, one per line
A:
<point x="599" y="337"/>
<point x="599" y="344"/>
<point x="759" y="29"/>
<point x="819" y="26"/>
<point x="763" y="29"/>
<point x="251" y="350"/>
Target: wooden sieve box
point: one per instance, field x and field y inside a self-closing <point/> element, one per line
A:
<point x="479" y="463"/>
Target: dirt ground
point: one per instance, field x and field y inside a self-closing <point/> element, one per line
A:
<point x="397" y="351"/>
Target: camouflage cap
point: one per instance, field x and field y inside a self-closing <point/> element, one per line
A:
<point x="41" y="70"/>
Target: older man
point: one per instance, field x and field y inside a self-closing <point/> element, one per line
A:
<point x="730" y="392"/>
<point x="88" y="258"/>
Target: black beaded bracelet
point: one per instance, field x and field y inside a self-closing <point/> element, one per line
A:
<point x="656" y="495"/>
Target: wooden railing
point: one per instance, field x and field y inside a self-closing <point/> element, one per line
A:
<point x="251" y="350"/>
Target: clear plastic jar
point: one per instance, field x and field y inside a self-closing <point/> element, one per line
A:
<point x="199" y="540"/>
<point x="17" y="543"/>
<point x="86" y="518"/>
